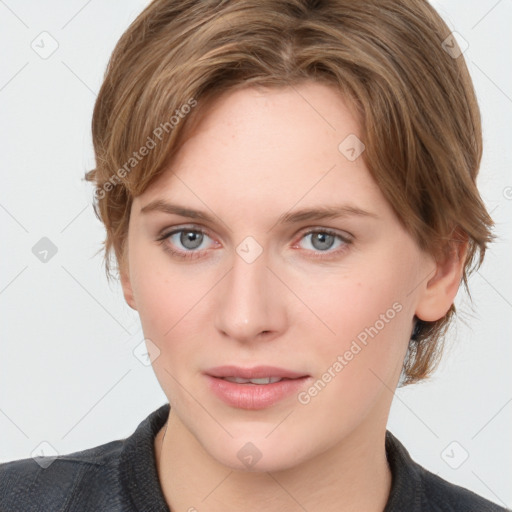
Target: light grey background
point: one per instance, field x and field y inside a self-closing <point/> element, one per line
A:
<point x="68" y="375"/>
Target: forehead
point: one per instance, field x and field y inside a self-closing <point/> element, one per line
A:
<point x="273" y="145"/>
<point x="276" y="116"/>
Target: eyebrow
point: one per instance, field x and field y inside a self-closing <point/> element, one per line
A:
<point x="305" y="214"/>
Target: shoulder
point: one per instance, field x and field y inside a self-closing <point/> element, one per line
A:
<point x="443" y="495"/>
<point x="118" y="476"/>
<point x="416" y="489"/>
<point x="49" y="483"/>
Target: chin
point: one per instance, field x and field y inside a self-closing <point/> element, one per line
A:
<point x="265" y="464"/>
<point x="255" y="454"/>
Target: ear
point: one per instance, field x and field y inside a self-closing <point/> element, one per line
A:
<point x="126" y="284"/>
<point x="440" y="291"/>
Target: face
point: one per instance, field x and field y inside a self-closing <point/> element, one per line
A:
<point x="247" y="282"/>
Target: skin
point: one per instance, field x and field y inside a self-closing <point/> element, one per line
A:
<point x="256" y="154"/>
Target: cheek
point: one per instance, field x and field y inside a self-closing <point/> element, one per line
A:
<point x="165" y="292"/>
<point x="370" y="316"/>
<point x="169" y="302"/>
<point x="357" y="366"/>
<point x="349" y="305"/>
<point x="172" y="302"/>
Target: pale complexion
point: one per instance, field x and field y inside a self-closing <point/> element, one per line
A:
<point x="256" y="155"/>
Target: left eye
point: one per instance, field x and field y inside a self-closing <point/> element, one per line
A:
<point x="323" y="240"/>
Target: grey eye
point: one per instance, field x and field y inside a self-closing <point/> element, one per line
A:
<point x="322" y="241"/>
<point x="188" y="238"/>
<point x="191" y="239"/>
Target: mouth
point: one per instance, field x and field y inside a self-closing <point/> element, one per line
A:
<point x="257" y="374"/>
<point x="263" y="380"/>
<point x="254" y="388"/>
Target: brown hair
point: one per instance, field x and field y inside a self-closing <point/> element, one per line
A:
<point x="394" y="61"/>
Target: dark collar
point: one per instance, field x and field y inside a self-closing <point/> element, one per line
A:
<point x="406" y="486"/>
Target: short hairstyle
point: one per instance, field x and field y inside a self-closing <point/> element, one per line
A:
<point x="394" y="62"/>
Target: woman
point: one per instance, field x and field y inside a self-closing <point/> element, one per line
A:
<point x="288" y="188"/>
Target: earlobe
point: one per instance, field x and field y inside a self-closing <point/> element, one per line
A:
<point x="441" y="289"/>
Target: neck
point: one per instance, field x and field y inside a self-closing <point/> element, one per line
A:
<point x="351" y="476"/>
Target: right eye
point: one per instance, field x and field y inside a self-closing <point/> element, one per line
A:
<point x="187" y="241"/>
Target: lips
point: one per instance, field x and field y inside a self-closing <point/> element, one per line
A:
<point x="254" y="388"/>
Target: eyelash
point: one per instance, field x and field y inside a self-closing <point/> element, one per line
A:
<point x="190" y="255"/>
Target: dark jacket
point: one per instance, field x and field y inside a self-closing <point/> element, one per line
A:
<point x="121" y="476"/>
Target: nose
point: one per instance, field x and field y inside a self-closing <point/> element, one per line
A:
<point x="251" y="302"/>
